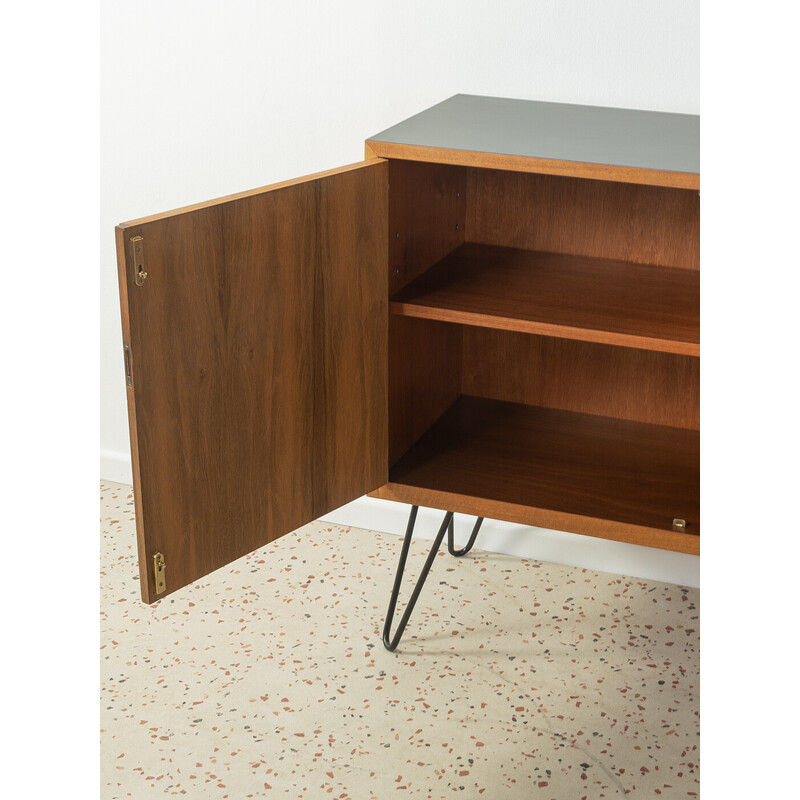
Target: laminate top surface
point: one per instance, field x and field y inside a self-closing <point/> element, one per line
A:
<point x="563" y="132"/>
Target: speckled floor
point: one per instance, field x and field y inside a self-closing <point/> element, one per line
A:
<point x="515" y="678"/>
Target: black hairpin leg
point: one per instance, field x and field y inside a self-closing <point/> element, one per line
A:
<point x="451" y="538"/>
<point x="391" y="642"/>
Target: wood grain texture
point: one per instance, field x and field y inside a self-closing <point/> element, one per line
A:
<point x="600" y="219"/>
<point x="257" y="340"/>
<point x="424" y="378"/>
<point x="574" y="297"/>
<point x="527" y="164"/>
<point x="247" y="193"/>
<point x="427" y="212"/>
<point x="574" y="472"/>
<point x="350" y="338"/>
<point x="631" y="384"/>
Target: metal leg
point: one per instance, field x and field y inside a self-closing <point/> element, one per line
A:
<point x="389" y="642"/>
<point x="451" y="538"/>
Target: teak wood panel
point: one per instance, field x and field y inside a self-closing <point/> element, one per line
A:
<point x="424" y="378"/>
<point x="427" y="213"/>
<point x="258" y="358"/>
<point x="631" y="384"/>
<point x="577" y="472"/>
<point x="599" y="219"/>
<point x="575" y="297"/>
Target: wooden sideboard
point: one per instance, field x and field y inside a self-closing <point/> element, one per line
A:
<point x="496" y="313"/>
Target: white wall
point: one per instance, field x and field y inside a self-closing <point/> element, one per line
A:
<point x="203" y="98"/>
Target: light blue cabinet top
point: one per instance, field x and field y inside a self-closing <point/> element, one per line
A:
<point x="589" y="134"/>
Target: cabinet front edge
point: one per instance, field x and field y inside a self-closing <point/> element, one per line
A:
<point x="543" y="166"/>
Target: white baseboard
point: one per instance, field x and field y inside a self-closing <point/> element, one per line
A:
<point x="115" y="466"/>
<point x="587" y="552"/>
<point x="557" y="547"/>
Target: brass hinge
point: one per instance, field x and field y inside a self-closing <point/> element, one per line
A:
<point x="128" y="368"/>
<point x="137" y="259"/>
<point x="160" y="570"/>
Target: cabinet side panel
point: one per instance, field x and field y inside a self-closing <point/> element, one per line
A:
<point x="424" y="377"/>
<point x="427" y="214"/>
<point x="621" y="382"/>
<point x="603" y="219"/>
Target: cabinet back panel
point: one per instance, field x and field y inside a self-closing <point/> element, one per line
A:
<point x="635" y="385"/>
<point x="427" y="212"/>
<point x="604" y="219"/>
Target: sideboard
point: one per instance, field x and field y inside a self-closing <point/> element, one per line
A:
<point x="495" y="313"/>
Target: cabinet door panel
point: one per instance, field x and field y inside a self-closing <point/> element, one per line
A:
<point x="256" y="353"/>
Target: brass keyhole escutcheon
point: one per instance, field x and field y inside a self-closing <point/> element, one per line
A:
<point x="160" y="572"/>
<point x="137" y="259"/>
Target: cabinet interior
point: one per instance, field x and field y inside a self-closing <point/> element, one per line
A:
<point x="544" y="349"/>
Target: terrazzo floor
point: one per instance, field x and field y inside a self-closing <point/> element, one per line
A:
<point x="515" y="678"/>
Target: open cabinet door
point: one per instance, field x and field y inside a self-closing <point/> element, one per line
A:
<point x="256" y="364"/>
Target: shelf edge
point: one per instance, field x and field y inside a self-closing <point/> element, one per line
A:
<point x="439" y="314"/>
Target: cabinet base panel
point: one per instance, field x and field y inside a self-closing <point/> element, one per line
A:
<point x="580" y="473"/>
<point x="540" y="518"/>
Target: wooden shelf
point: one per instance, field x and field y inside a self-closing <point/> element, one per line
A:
<point x="566" y="296"/>
<point x="556" y="469"/>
